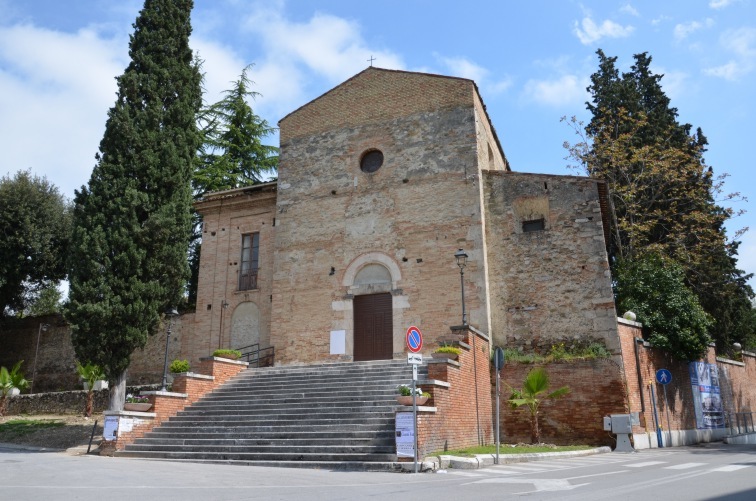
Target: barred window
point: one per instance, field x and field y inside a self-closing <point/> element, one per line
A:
<point x="249" y="261"/>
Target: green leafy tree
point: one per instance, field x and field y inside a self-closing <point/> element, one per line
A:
<point x="232" y="155"/>
<point x="532" y="394"/>
<point x="46" y="303"/>
<point x="35" y="224"/>
<point x="654" y="289"/>
<point x="132" y="222"/>
<point x="664" y="198"/>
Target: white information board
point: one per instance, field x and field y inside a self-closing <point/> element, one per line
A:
<point x="405" y="435"/>
<point x="110" y="428"/>
<point x="338" y="342"/>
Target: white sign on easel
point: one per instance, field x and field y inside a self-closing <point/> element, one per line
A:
<point x="405" y="435"/>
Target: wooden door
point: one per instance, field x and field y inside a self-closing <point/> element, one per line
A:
<point x="373" y="327"/>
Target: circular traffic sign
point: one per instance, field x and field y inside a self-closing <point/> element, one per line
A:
<point x="414" y="339"/>
<point x="663" y="376"/>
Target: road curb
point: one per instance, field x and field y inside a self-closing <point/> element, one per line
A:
<point x="443" y="462"/>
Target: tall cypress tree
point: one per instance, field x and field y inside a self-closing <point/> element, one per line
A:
<point x="663" y="192"/>
<point x="132" y="222"/>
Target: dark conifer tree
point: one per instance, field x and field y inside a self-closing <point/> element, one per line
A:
<point x="132" y="221"/>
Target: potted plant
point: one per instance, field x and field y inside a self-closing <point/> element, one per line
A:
<point x="93" y="377"/>
<point x="404" y="395"/>
<point x="226" y="353"/>
<point x="11" y="383"/>
<point x="179" y="366"/>
<point x="137" y="403"/>
<point x="446" y="351"/>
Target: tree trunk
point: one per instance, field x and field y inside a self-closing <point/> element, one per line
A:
<point x="118" y="392"/>
<point x="90" y="400"/>
<point x="535" y="433"/>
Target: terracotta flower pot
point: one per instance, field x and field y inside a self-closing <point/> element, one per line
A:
<point x="407" y="400"/>
<point x="139" y="407"/>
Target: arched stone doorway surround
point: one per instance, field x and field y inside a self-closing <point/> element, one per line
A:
<point x="245" y="325"/>
<point x="371" y="273"/>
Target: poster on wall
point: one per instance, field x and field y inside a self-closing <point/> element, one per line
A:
<point x="704" y="379"/>
<point x="405" y="435"/>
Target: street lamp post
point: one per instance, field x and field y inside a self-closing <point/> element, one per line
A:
<point x="42" y="327"/>
<point x="224" y="307"/>
<point x="461" y="257"/>
<point x="170" y="314"/>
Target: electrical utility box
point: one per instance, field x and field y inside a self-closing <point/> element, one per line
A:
<point x="622" y="426"/>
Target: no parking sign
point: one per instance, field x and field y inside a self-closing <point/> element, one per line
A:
<point x="414" y="339"/>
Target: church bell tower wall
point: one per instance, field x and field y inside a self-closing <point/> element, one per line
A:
<point x="550" y="278"/>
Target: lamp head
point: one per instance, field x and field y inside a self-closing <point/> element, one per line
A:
<point x="461" y="258"/>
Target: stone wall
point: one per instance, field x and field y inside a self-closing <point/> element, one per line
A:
<point x="552" y="285"/>
<point x="410" y="216"/>
<point x="596" y="390"/>
<point x="56" y="360"/>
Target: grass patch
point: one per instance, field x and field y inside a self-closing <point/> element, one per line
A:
<point x="20" y="427"/>
<point x="511" y="449"/>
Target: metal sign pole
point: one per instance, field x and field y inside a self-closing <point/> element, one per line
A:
<point x="414" y="409"/>
<point x="656" y="417"/>
<point x="498" y="397"/>
<point x="666" y="407"/>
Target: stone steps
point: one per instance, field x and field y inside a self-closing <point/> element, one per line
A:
<point x="340" y="415"/>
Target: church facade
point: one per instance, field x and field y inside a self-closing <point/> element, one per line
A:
<point x="381" y="181"/>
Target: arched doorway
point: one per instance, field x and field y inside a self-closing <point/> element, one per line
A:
<point x="245" y="325"/>
<point x="373" y="315"/>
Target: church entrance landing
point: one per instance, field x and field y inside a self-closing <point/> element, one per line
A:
<point x="373" y="327"/>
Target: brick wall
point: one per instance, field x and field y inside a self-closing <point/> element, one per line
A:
<point x="596" y="390"/>
<point x="736" y="380"/>
<point x="463" y="409"/>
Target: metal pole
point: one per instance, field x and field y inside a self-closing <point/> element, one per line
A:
<point x="462" y="282"/>
<point x="498" y="397"/>
<point x="666" y="408"/>
<point x="42" y="326"/>
<point x="656" y="417"/>
<point x="414" y="411"/>
<point x="165" y="364"/>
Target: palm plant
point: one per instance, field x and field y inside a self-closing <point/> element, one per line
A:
<point x="535" y="386"/>
<point x="90" y="373"/>
<point x="9" y="380"/>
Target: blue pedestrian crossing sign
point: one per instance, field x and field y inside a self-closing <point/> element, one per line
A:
<point x="663" y="376"/>
<point x="414" y="339"/>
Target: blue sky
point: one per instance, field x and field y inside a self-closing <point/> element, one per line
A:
<point x="531" y="60"/>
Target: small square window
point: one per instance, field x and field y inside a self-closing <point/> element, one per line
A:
<point x="533" y="225"/>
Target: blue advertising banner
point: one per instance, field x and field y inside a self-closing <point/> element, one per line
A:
<point x="704" y="379"/>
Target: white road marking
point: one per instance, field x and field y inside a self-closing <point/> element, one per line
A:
<point x="684" y="466"/>
<point x="732" y="467"/>
<point x="647" y="463"/>
<point x="540" y="484"/>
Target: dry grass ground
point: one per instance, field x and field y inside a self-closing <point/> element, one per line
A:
<point x="53" y="431"/>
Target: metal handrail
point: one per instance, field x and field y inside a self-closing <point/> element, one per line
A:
<point x="258" y="357"/>
<point x="741" y="422"/>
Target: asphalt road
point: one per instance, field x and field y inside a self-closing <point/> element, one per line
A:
<point x="714" y="472"/>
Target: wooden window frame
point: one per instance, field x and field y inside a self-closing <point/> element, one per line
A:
<point x="250" y="261"/>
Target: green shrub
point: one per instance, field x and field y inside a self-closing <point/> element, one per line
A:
<point x="179" y="366"/>
<point x="448" y="349"/>
<point x="226" y="353"/>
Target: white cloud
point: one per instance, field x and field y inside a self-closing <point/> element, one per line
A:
<point x="589" y="32"/>
<point x="566" y="90"/>
<point x="742" y="43"/>
<point x="629" y="9"/>
<point x="719" y="4"/>
<point x="328" y="45"/>
<point x="463" y="67"/>
<point x="659" y="20"/>
<point x="55" y="91"/>
<point x="684" y="29"/>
